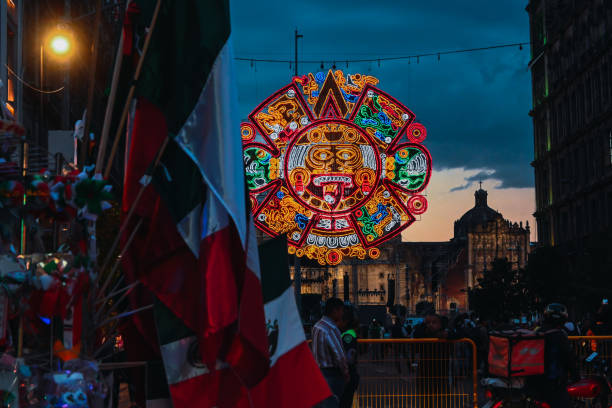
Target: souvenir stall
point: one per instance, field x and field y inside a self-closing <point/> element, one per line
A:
<point x="43" y="321"/>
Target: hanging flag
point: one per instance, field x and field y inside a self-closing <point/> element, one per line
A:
<point x="196" y="250"/>
<point x="190" y="381"/>
<point x="294" y="379"/>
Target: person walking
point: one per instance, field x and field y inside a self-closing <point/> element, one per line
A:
<point x="328" y="352"/>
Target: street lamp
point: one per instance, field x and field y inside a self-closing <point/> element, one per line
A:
<point x="60" y="44"/>
<point x="59" y="41"/>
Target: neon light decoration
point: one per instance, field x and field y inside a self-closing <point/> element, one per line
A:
<point x="335" y="164"/>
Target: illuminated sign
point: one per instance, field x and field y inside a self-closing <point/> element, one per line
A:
<point x="336" y="164"/>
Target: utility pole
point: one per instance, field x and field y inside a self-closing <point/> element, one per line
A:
<point x="297" y="36"/>
<point x="66" y="94"/>
<point x="3" y="52"/>
<point x="42" y="138"/>
<point x="19" y="66"/>
<point x="297" y="271"/>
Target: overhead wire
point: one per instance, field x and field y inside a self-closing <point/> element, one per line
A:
<point x="32" y="87"/>
<point x="388" y="58"/>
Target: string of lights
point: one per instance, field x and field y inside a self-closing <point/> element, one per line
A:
<point x="415" y="57"/>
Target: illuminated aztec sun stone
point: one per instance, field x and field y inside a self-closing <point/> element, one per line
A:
<point x="335" y="164"/>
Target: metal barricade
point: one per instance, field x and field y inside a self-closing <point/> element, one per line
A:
<point x="583" y="346"/>
<point x="424" y="373"/>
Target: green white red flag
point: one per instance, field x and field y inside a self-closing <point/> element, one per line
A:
<point x="196" y="249"/>
<point x="294" y="379"/>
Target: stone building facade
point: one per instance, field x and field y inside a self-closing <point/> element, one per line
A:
<point x="407" y="273"/>
<point x="571" y="71"/>
<point x="486" y="236"/>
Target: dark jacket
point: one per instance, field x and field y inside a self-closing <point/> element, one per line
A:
<point x="559" y="359"/>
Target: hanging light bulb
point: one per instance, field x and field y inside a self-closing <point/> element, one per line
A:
<point x="334" y="66"/>
<point x="321" y="64"/>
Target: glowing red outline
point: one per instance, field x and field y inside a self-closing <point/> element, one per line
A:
<point x="364" y="94"/>
<point x="267" y="149"/>
<point x="305" y="129"/>
<point x="429" y="166"/>
<point x="266" y="102"/>
<point x="386" y="237"/>
<point x="330" y="107"/>
<point x="413" y="210"/>
<point x="312" y="221"/>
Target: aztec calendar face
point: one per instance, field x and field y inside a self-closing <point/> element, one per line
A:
<point x="335" y="164"/>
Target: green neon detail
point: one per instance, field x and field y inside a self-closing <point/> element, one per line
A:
<point x="379" y="121"/>
<point x="411" y="171"/>
<point x="368" y="224"/>
<point x="257" y="167"/>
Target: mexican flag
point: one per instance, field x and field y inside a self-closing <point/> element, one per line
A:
<point x="196" y="250"/>
<point x="294" y="379"/>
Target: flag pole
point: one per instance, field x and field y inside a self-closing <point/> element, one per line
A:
<point x="127" y="244"/>
<point x="84" y="148"/>
<point x="110" y="104"/>
<point x="127" y="219"/>
<point x="130" y="96"/>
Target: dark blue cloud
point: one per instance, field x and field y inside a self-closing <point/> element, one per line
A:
<point x="478" y="177"/>
<point x="475" y="106"/>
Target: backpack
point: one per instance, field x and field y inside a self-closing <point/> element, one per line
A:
<point x="516" y="353"/>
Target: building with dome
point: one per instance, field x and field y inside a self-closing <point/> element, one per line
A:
<point x="411" y="273"/>
<point x="486" y="235"/>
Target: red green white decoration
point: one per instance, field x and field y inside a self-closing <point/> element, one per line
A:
<point x="336" y="165"/>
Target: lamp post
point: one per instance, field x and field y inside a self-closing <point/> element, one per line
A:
<point x="60" y="44"/>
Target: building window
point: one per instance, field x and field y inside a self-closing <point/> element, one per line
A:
<point x="610" y="208"/>
<point x="597" y="100"/>
<point x="610" y="148"/>
<point x="604" y="84"/>
<point x="594" y="216"/>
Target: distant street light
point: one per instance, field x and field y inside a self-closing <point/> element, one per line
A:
<point x="60" y="44"/>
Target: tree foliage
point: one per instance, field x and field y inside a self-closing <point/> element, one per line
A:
<point x="501" y="293"/>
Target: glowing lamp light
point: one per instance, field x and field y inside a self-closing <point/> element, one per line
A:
<point x="60" y="44"/>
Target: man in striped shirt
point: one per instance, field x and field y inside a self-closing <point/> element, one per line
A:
<point x="328" y="352"/>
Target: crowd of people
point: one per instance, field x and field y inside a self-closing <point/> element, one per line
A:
<point x="334" y="343"/>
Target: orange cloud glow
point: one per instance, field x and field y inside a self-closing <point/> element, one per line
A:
<point x="446" y="206"/>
